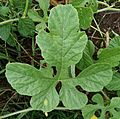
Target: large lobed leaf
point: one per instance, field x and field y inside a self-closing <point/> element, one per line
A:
<point x="62" y="47"/>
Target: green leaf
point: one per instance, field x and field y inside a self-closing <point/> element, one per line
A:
<point x="46" y="100"/>
<point x="3" y="56"/>
<point x="34" y="16"/>
<point x="86" y="59"/>
<point x="90" y="48"/>
<point x="41" y="26"/>
<point x="48" y="71"/>
<point x="11" y="40"/>
<point x="95" y="77"/>
<point x="85" y="3"/>
<point x="113" y="85"/>
<point x="71" y="97"/>
<point x="84" y="62"/>
<point x="61" y="49"/>
<point x="26" y="27"/>
<point x="110" y="55"/>
<point x="64" y="43"/>
<point x="115" y="102"/>
<point x="44" y="5"/>
<point x="98" y="99"/>
<point x="4" y="10"/>
<point x="5" y="31"/>
<point x="85" y="16"/>
<point x="115" y="42"/>
<point x="114" y="107"/>
<point x="26" y="79"/>
<point x="86" y="9"/>
<point x="89" y="110"/>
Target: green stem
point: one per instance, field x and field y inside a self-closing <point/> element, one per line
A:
<point x="28" y="110"/>
<point x="15" y="113"/>
<point x="6" y="52"/>
<point x="73" y="71"/>
<point x="103" y="3"/>
<point x="109" y="9"/>
<point x="26" y="8"/>
<point x="8" y="21"/>
<point x="98" y="27"/>
<point x="62" y="108"/>
<point x="105" y="95"/>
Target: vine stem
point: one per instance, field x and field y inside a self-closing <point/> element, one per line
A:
<point x="103" y="3"/>
<point x="15" y="113"/>
<point x="105" y="95"/>
<point x="8" y="21"/>
<point x="26" y="8"/>
<point x="109" y="9"/>
<point x="28" y="110"/>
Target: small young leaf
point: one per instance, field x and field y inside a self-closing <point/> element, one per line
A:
<point x="85" y="16"/>
<point x="44" y="5"/>
<point x="34" y="16"/>
<point x="98" y="99"/>
<point x="26" y="27"/>
<point x="85" y="10"/>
